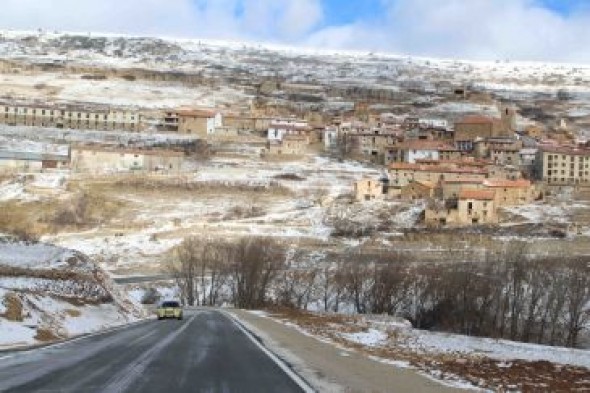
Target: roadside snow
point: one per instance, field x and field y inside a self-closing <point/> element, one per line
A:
<point x="15" y="334"/>
<point x="370" y="338"/>
<point x="423" y="341"/>
<point x="95" y="318"/>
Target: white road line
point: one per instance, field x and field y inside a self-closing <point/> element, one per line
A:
<point x="124" y="378"/>
<point x="302" y="383"/>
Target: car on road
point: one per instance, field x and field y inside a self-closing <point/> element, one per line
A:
<point x="169" y="309"/>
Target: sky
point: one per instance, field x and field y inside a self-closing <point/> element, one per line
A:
<point x="538" y="30"/>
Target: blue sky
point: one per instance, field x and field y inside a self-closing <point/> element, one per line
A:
<point x="563" y="6"/>
<point x="553" y="30"/>
<point x="347" y="11"/>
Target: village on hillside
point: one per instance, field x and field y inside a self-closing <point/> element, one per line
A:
<point x="464" y="170"/>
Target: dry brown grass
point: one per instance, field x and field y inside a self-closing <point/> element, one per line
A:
<point x="176" y="185"/>
<point x="73" y="313"/>
<point x="23" y="220"/>
<point x="14" y="308"/>
<point x="46" y="335"/>
<point x="85" y="209"/>
<point x="30" y="220"/>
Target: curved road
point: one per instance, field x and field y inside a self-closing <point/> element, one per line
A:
<point x="206" y="352"/>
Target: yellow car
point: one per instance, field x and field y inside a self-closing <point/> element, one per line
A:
<point x="169" y="309"/>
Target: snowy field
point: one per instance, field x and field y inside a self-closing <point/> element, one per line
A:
<point x="153" y="95"/>
<point x="155" y="221"/>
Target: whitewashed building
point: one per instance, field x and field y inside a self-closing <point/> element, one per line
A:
<point x="279" y="128"/>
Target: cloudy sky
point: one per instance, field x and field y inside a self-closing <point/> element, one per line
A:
<point x="553" y="30"/>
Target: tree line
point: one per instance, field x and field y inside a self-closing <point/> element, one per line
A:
<point x="508" y="294"/>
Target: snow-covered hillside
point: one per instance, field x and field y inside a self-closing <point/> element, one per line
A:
<point x="49" y="292"/>
<point x="243" y="61"/>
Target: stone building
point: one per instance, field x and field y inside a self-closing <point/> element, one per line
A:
<point x="511" y="192"/>
<point x="290" y="145"/>
<point x="472" y="207"/>
<point x="83" y="117"/>
<point x="563" y="165"/>
<point x="98" y="159"/>
<point x="416" y="190"/>
<point x="401" y="174"/>
<point x="368" y="190"/>
<point x="471" y="128"/>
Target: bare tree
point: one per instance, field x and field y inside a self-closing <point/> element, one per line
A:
<point x="257" y="262"/>
<point x="578" y="298"/>
<point x="184" y="267"/>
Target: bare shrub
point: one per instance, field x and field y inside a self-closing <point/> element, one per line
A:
<point x="256" y="263"/>
<point x="85" y="208"/>
<point x="73" y="212"/>
<point x="200" y="269"/>
<point x="150" y="296"/>
<point x="241" y="212"/>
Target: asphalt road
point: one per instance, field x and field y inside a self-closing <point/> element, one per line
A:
<point x="205" y="352"/>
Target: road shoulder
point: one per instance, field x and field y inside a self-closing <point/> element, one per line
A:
<point x="332" y="369"/>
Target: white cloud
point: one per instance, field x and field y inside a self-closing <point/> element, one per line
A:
<point x="283" y="20"/>
<point x="486" y="29"/>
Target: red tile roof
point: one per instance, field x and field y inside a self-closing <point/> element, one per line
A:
<point x="499" y="183"/>
<point x="567" y="150"/>
<point x="418" y="144"/>
<point x="436" y="169"/>
<point x="480" y="195"/>
<point x="465" y="180"/>
<point x="455" y="163"/>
